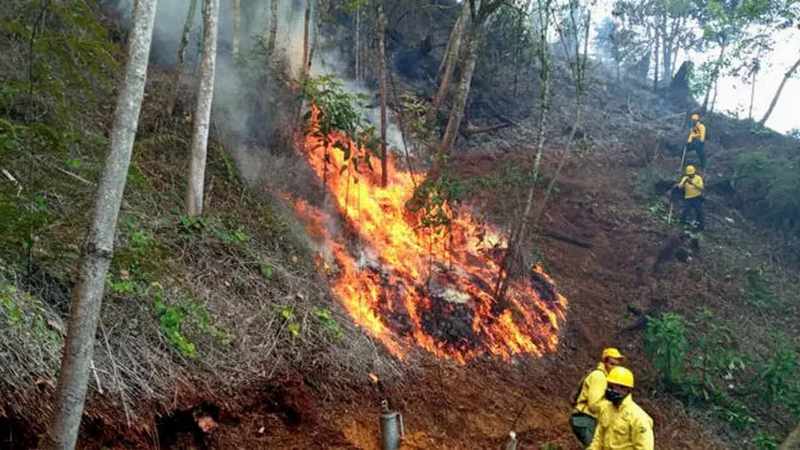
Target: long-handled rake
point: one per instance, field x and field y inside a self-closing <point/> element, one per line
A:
<point x="683" y="159"/>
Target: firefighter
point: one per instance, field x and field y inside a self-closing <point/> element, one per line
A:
<point x="697" y="140"/>
<point x="692" y="186"/>
<point x="622" y="424"/>
<point x="590" y="394"/>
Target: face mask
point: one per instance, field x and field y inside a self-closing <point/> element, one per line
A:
<point x="615" y="397"/>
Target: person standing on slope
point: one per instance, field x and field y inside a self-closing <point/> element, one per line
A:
<point x="692" y="186"/>
<point x="622" y="424"/>
<point x="587" y="400"/>
<point x="697" y="140"/>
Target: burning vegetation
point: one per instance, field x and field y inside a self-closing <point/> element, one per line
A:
<point x="411" y="285"/>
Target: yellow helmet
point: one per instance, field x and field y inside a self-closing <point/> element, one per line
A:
<point x="620" y="376"/>
<point x="611" y="352"/>
<point x="690" y="170"/>
<point x="695" y="116"/>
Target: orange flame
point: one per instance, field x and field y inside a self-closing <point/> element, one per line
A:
<point x="407" y="285"/>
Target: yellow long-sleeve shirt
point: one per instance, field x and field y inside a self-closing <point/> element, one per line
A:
<point x="697" y="132"/>
<point x="626" y="427"/>
<point x="592" y="391"/>
<point x="692" y="186"/>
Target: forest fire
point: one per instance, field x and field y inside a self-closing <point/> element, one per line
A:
<point x="412" y="286"/>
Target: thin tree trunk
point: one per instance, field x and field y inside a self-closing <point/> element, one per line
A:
<point x="462" y="92"/>
<point x="657" y="50"/>
<point x="273" y="29"/>
<point x="714" y="98"/>
<point x="451" y="58"/>
<point x="752" y="94"/>
<point x="382" y="67"/>
<point x="714" y="75"/>
<point x="357" y="46"/>
<point x="778" y="93"/>
<point x="187" y="29"/>
<point x="99" y="249"/>
<point x="519" y="230"/>
<point x="202" y="114"/>
<point x="237" y="27"/>
<point x="306" y="42"/>
<point x="792" y="441"/>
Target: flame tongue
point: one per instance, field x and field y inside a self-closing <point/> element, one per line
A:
<point x="408" y="286"/>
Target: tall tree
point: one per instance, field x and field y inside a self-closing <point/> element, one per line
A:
<point x="202" y="112"/>
<point x="451" y="57"/>
<point x="181" y="61"/>
<point x="777" y="95"/>
<point x="272" y="35"/>
<point x="237" y="27"/>
<point x="479" y="13"/>
<point x="99" y="247"/>
<point x="382" y="68"/>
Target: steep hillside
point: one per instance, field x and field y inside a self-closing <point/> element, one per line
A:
<point x="225" y="331"/>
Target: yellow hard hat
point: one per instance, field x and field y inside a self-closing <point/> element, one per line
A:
<point x="611" y="352"/>
<point x="620" y="376"/>
<point x="690" y="170"/>
<point x="695" y="116"/>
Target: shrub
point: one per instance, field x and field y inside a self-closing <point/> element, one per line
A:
<point x="666" y="345"/>
<point x="771" y="188"/>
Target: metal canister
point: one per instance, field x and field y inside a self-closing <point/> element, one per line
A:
<point x="392" y="428"/>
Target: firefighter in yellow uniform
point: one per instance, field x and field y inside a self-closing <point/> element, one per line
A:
<point x="587" y="400"/>
<point x="622" y="424"/>
<point x="697" y="140"/>
<point x="692" y="186"/>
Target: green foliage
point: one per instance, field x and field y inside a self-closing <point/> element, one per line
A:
<point x="758" y="291"/>
<point x="734" y="412"/>
<point x="328" y="323"/>
<point x="170" y="319"/>
<point x="715" y="360"/>
<point x="434" y="199"/>
<point x="341" y="111"/>
<point x="764" y="441"/>
<point x="175" y="319"/>
<point x="8" y="303"/>
<point x="666" y="344"/>
<point x="290" y="320"/>
<point x="777" y="379"/>
<point x="771" y="188"/>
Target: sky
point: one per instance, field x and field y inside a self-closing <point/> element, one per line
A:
<point x="734" y="93"/>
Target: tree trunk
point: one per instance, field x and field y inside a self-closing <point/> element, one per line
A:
<point x="657" y="50"/>
<point x="357" y="46"/>
<point x="237" y="27"/>
<point x="714" y="75"/>
<point x="382" y="67"/>
<point x="273" y="29"/>
<point x="306" y="42"/>
<point x="752" y="94"/>
<point x="792" y="441"/>
<point x="202" y="113"/>
<point x="99" y="248"/>
<point x="472" y="37"/>
<point x="451" y="58"/>
<point x="519" y="229"/>
<point x="181" y="61"/>
<point x="778" y="93"/>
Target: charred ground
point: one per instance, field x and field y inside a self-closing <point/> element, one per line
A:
<point x="244" y="277"/>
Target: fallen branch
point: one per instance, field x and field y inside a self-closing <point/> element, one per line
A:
<point x="564" y="238"/>
<point x="469" y="131"/>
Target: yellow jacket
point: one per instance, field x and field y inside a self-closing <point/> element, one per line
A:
<point x="592" y="391"/>
<point x="692" y="187"/>
<point x="698" y="132"/>
<point x="626" y="427"/>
